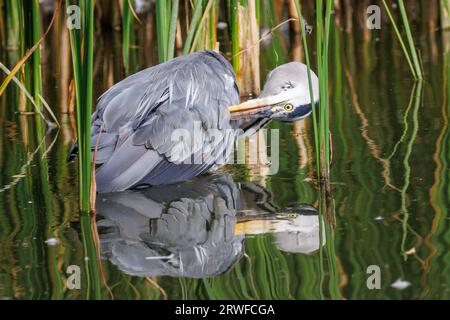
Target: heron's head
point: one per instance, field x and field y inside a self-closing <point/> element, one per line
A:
<point x="285" y="96"/>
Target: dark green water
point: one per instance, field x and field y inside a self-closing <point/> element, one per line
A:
<point x="240" y="235"/>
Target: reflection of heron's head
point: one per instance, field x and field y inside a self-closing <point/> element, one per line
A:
<point x="299" y="232"/>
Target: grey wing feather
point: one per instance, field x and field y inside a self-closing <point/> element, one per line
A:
<point x="129" y="163"/>
<point x="135" y="120"/>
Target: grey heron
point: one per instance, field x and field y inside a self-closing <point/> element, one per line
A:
<point x="133" y="125"/>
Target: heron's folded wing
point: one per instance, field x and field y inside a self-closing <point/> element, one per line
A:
<point x="129" y="164"/>
<point x="175" y="112"/>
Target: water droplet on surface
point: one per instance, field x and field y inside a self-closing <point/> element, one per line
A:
<point x="400" y="284"/>
<point x="51" y="241"/>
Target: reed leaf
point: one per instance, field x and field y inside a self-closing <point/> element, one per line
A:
<point x="409" y="37"/>
<point x="400" y="39"/>
<point x="197" y="14"/>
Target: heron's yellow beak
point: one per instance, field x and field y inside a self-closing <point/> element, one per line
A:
<point x="253" y="106"/>
<point x="250" y="105"/>
<point x="257" y="104"/>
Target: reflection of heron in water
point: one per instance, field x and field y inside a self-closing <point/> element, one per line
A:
<point x="197" y="228"/>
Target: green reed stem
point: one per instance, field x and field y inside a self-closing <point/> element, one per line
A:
<point x="82" y="48"/>
<point x="193" y="26"/>
<point x="88" y="62"/>
<point x="126" y="34"/>
<point x="13" y="23"/>
<point x="322" y="69"/>
<point x="400" y="39"/>
<point x="322" y="137"/>
<point x="201" y="26"/>
<point x="34" y="37"/>
<point x="235" y="48"/>
<point x="323" y="31"/>
<point x="320" y="121"/>
<point x="412" y="47"/>
<point x="172" y="30"/>
<point x="308" y="64"/>
<point x="162" y="12"/>
<point x="82" y="62"/>
<point x="323" y="92"/>
<point x="86" y="105"/>
<point x="166" y="27"/>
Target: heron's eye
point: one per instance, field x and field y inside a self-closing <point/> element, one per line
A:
<point x="287" y="85"/>
<point x="288" y="107"/>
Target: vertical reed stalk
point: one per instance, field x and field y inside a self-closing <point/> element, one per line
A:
<point x="400" y="39"/>
<point x="411" y="56"/>
<point x="172" y="30"/>
<point x="126" y="34"/>
<point x="323" y="92"/>
<point x="166" y="28"/>
<point x="412" y="47"/>
<point x="161" y="28"/>
<point x="196" y="16"/>
<point x="321" y="129"/>
<point x="33" y="35"/>
<point x="323" y="30"/>
<point x="202" y="29"/>
<point x="82" y="46"/>
<point x="308" y="64"/>
<point x="82" y="60"/>
<point x="235" y="48"/>
<point x="13" y="23"/>
<point x="320" y="121"/>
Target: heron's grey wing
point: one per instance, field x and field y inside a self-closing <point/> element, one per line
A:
<point x="169" y="123"/>
<point x="114" y="109"/>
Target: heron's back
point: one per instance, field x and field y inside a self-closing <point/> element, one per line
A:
<point x="165" y="124"/>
